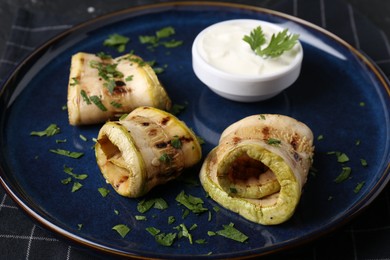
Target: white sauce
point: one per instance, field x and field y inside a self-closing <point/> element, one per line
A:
<point x="223" y="47"/>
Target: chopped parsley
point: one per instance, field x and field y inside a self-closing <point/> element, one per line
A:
<point x="82" y="137"/>
<point x="76" y="186"/>
<point x="74" y="155"/>
<point x="165" y="158"/>
<point x="121" y="229"/>
<point x="157" y="203"/>
<point x="116" y="104"/>
<point x="192" y="203"/>
<point x="51" y="130"/>
<point x="161" y="38"/>
<point x="108" y="72"/>
<point x="85" y="97"/>
<point x="69" y="171"/>
<point x="359" y="186"/>
<point x="177" y="108"/>
<point x="97" y="101"/>
<point x="273" y="141"/>
<point x="363" y="162"/>
<point x="176" y="142"/>
<point x="229" y="231"/>
<point x="344" y="175"/>
<point x="103" y="191"/>
<point x="341" y="157"/>
<point x="117" y="41"/>
<point x="74" y="82"/>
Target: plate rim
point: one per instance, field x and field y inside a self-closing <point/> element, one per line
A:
<point x="134" y="11"/>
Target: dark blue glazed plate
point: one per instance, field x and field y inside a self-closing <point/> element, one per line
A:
<point x="341" y="95"/>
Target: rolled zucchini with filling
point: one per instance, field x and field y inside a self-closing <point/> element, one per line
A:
<point x="102" y="88"/>
<point x="147" y="148"/>
<point x="259" y="167"/>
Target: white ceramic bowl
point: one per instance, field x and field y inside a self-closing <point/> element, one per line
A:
<point x="240" y="87"/>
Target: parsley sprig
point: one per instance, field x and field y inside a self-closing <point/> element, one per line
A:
<point x="279" y="43"/>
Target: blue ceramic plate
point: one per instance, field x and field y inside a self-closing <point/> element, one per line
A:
<point x="340" y="94"/>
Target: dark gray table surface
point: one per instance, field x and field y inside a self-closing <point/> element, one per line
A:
<point x="377" y="11"/>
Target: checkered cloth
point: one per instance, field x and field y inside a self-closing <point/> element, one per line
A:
<point x="366" y="237"/>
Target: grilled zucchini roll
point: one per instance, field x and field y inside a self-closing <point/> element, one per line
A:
<point x="147" y="148"/>
<point x="102" y="88"/>
<point x="259" y="168"/>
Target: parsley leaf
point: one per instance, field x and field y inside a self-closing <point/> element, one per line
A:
<point x="192" y="203"/>
<point x="344" y="175"/>
<point x="121" y="229"/>
<point x="117" y="41"/>
<point x="51" y="130"/>
<point x="229" y="231"/>
<point x="74" y="155"/>
<point x="278" y="44"/>
<point x="256" y="38"/>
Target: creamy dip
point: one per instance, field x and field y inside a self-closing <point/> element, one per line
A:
<point x="222" y="46"/>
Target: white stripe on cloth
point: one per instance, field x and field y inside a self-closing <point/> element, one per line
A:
<point x="41" y="29"/>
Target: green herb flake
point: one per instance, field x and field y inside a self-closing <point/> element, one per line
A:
<point x="140" y="218"/>
<point x="116" y="212"/>
<point x="145" y="205"/>
<point x="165" y="32"/>
<point x="172" y="43"/>
<point x="363" y="162"/>
<point x="229" y="231"/>
<point x="344" y="175"/>
<point x="51" y="130"/>
<point x="153" y="231"/>
<point x="103" y="55"/>
<point x="200" y="241"/>
<point x="76" y="186"/>
<point x="79" y="226"/>
<point x="158" y="70"/>
<point x="74" y="155"/>
<point x="178" y="108"/>
<point x="74" y="82"/>
<point x="165" y="158"/>
<point x="103" y="191"/>
<point x="171" y="220"/>
<point x="357" y="143"/>
<point x="262" y="117"/>
<point x="66" y="181"/>
<point x="362" y="104"/>
<point x="273" y="141"/>
<point x="122" y="229"/>
<point x="211" y="233"/>
<point x="185" y="213"/>
<point x="165" y="239"/>
<point x="116" y="104"/>
<point x="82" y="137"/>
<point x="64" y="107"/>
<point x="176" y="142"/>
<point x="129" y="78"/>
<point x="192" y="203"/>
<point x="279" y="43"/>
<point x="342" y="158"/>
<point x="117" y="41"/>
<point x="359" y="186"/>
<point x="85" y="97"/>
<point x="69" y="171"/>
<point x="185" y="233"/>
<point x="320" y="138"/>
<point x="97" y="101"/>
<point x="58" y="141"/>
